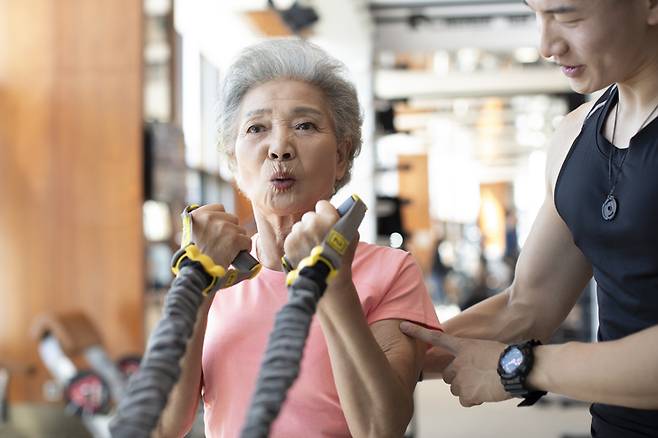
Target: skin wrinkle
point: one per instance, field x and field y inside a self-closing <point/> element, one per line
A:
<point x="278" y="116"/>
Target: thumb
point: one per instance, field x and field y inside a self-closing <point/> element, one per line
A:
<point x="434" y="337"/>
<point x="324" y="208"/>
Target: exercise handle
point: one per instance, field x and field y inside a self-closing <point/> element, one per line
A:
<point x="351" y="212"/>
<point x="246" y="267"/>
<point x="245" y="262"/>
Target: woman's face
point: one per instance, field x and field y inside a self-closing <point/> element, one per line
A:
<point x="596" y="42"/>
<point x="286" y="152"/>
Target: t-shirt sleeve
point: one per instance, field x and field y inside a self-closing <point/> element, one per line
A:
<point x="405" y="297"/>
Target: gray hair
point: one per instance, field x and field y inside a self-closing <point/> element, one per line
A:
<point x="297" y="60"/>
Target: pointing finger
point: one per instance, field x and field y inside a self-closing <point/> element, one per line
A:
<point x="434" y="337"/>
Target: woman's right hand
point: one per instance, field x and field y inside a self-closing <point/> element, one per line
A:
<point x="217" y="234"/>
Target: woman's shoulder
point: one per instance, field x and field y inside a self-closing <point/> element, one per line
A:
<point x="381" y="257"/>
<point x="389" y="280"/>
<point x="371" y="249"/>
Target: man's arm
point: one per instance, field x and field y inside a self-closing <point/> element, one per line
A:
<point x="550" y="274"/>
<point x="622" y="372"/>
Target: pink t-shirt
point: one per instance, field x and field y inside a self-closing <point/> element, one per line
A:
<point x="390" y="286"/>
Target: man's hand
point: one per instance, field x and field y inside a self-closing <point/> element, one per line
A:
<point x="218" y="235"/>
<point x="472" y="374"/>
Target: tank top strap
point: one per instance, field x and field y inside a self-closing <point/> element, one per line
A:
<point x="602" y="101"/>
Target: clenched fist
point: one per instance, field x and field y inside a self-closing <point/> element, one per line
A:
<point x="217" y="234"/>
<point x="311" y="231"/>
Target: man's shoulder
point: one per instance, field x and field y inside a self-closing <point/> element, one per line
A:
<point x="563" y="138"/>
<point x="571" y="124"/>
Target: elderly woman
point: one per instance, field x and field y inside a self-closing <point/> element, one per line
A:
<point x="290" y="128"/>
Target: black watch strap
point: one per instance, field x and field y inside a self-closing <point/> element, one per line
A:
<point x="531" y="398"/>
<point x="516" y="384"/>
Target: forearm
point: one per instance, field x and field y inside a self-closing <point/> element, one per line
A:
<point x="494" y="319"/>
<point x="178" y="415"/>
<point x="373" y="397"/>
<point x="622" y="372"/>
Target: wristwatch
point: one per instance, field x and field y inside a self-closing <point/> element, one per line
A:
<point x="514" y="366"/>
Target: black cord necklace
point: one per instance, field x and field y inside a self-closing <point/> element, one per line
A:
<point x="609" y="207"/>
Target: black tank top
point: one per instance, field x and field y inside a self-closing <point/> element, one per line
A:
<point x="623" y="252"/>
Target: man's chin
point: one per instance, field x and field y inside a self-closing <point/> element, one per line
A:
<point x="585" y="87"/>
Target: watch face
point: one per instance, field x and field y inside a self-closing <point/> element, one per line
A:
<point x="511" y="361"/>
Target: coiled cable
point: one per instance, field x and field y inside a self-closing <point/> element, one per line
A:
<point x="149" y="388"/>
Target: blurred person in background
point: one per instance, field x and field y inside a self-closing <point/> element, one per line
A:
<point x="598" y="219"/>
<point x="439" y="269"/>
<point x="511" y="253"/>
<point x="479" y="291"/>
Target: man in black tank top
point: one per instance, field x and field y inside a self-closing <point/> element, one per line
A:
<point x="600" y="219"/>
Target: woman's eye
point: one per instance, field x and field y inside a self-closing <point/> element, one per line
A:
<point x="305" y="126"/>
<point x="255" y="129"/>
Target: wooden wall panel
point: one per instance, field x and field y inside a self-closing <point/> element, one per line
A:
<point x="70" y="172"/>
<point x="495" y="199"/>
<point x="414" y="186"/>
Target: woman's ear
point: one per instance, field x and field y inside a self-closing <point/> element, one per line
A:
<point x="342" y="152"/>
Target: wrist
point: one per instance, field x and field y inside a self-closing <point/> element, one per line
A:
<point x="342" y="280"/>
<point x="515" y="365"/>
<point x="540" y="378"/>
<point x="340" y="294"/>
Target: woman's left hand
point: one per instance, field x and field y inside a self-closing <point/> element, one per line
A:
<point x="311" y="231"/>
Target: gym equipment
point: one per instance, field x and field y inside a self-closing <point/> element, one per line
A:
<point x="196" y="276"/>
<point x="4" y="384"/>
<point x="128" y="365"/>
<point x="7" y="370"/>
<point x="246" y="267"/>
<point x="89" y="394"/>
<point x="306" y="285"/>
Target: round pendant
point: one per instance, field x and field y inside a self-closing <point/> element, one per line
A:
<point x="609" y="208"/>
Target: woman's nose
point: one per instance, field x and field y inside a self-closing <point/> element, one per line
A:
<point x="281" y="156"/>
<point x="281" y="147"/>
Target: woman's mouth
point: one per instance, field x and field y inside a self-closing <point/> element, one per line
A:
<point x="282" y="182"/>
<point x="571" y="71"/>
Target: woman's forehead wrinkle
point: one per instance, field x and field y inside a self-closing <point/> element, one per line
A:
<point x="258" y="112"/>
